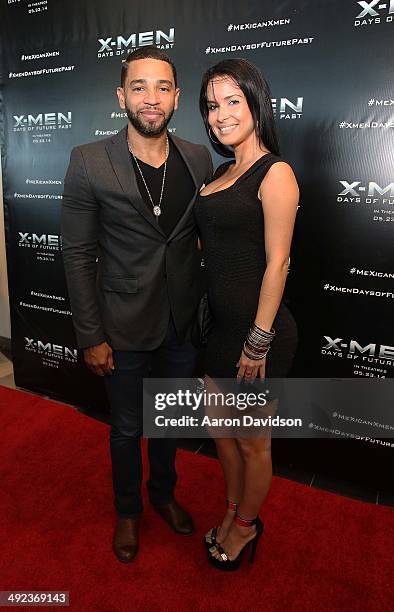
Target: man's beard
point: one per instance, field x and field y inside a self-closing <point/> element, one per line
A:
<point x="148" y="128"/>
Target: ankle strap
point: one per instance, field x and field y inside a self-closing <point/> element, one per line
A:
<point x="231" y="505"/>
<point x="245" y="522"/>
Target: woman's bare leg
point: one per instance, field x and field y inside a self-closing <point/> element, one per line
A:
<point x="257" y="476"/>
<point x="232" y="465"/>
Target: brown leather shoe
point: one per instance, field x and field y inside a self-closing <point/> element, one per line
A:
<point x="125" y="541"/>
<point x="178" y="519"/>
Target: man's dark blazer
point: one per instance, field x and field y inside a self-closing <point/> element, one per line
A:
<point x="123" y="273"/>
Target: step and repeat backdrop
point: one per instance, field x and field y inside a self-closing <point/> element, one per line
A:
<point x="330" y="68"/>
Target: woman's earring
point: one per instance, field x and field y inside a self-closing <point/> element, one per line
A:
<point x="211" y="137"/>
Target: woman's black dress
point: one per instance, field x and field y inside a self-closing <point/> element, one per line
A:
<point x="231" y="226"/>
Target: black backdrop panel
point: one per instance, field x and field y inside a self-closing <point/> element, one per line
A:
<point x="330" y="68"/>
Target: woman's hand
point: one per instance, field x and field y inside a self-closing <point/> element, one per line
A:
<point x="249" y="369"/>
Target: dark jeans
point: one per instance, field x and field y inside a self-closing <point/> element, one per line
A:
<point x="173" y="359"/>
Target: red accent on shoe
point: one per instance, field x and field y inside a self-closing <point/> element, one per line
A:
<point x="244" y="522"/>
<point x="231" y="505"/>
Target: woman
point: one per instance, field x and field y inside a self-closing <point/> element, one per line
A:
<point x="246" y="218"/>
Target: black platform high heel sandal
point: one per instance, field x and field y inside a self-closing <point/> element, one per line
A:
<point x="210" y="537"/>
<point x="226" y="564"/>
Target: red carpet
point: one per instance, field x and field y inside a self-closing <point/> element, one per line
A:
<point x="319" y="551"/>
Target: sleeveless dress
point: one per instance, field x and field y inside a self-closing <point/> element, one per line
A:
<point x="231" y="227"/>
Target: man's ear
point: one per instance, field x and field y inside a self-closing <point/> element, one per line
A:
<point x="121" y="97"/>
<point x="177" y="92"/>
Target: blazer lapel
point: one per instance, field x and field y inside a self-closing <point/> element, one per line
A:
<point x="191" y="169"/>
<point x="121" y="163"/>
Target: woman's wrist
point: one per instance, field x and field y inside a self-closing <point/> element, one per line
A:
<point x="257" y="343"/>
<point x="254" y="356"/>
<point x="263" y="326"/>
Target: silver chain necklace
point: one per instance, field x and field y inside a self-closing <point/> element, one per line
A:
<point x="156" y="208"/>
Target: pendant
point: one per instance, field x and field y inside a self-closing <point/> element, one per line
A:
<point x="157" y="211"/>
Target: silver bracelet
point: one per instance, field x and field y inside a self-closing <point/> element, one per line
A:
<point x="254" y="355"/>
<point x="258" y="341"/>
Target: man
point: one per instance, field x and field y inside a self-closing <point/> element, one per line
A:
<point x="131" y="261"/>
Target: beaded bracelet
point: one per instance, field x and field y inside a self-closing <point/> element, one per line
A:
<point x="255" y="356"/>
<point x="261" y="334"/>
<point x="258" y="342"/>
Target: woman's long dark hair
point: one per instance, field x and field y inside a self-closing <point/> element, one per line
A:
<point x="258" y="96"/>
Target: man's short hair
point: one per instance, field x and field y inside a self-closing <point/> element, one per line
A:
<point x="148" y="52"/>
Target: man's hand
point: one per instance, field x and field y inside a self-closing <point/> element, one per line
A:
<point x="99" y="359"/>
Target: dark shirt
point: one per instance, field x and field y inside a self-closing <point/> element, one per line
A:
<point x="179" y="188"/>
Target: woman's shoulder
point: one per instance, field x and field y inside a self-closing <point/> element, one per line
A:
<point x="274" y="164"/>
<point x="272" y="158"/>
<point x="279" y="178"/>
<point x="258" y="170"/>
<point x="279" y="165"/>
